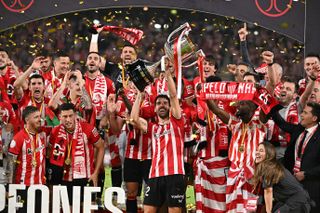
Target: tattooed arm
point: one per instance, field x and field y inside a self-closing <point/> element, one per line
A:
<point x="86" y="99"/>
<point x="11" y="168"/>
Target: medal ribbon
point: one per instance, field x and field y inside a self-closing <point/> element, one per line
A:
<point x="33" y="146"/>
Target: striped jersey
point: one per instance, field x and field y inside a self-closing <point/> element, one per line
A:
<point x="167" y="148"/>
<point x="21" y="146"/>
<point x="247" y="137"/>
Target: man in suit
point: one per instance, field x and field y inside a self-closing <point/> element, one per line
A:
<point x="302" y="156"/>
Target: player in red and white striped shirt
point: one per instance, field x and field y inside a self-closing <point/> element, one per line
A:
<point x="166" y="179"/>
<point x="138" y="145"/>
<point x="73" y="145"/>
<point x="27" y="153"/>
<point x="247" y="133"/>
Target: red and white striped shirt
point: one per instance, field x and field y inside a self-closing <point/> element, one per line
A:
<point x="167" y="148"/>
<point x="217" y="136"/>
<point x="245" y="137"/>
<point x="249" y="136"/>
<point x="21" y="146"/>
<point x="142" y="150"/>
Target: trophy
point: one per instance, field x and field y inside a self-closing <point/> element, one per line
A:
<point x="178" y="43"/>
<point x="186" y="45"/>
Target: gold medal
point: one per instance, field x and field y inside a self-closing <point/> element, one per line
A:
<point x="241" y="148"/>
<point x="67" y="161"/>
<point x="34" y="163"/>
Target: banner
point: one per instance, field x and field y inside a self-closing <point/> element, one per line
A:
<point x="234" y="91"/>
<point x="59" y="198"/>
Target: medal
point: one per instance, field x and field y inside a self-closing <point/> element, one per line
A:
<point x="241" y="148"/>
<point x="67" y="161"/>
<point x="34" y="163"/>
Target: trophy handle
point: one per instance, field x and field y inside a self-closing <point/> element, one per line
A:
<point x="198" y="54"/>
<point x="185" y="25"/>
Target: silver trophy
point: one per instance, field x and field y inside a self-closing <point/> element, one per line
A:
<point x="186" y="45"/>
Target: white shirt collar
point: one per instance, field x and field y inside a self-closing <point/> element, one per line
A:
<point x="311" y="129"/>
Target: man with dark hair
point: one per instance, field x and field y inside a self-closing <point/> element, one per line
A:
<point x="166" y="179"/>
<point x="302" y="156"/>
<point x="116" y="72"/>
<point x="98" y="85"/>
<point x="73" y="145"/>
<point x="247" y="132"/>
<point x="76" y="95"/>
<point x="34" y="95"/>
<point x="239" y="70"/>
<point x="46" y="69"/>
<point x="27" y="154"/>
<point x="311" y="60"/>
<point x="251" y="77"/>
<point x="290" y="112"/>
<point x="210" y="66"/>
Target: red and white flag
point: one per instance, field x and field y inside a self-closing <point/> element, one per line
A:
<point x="210" y="184"/>
<point x="132" y="35"/>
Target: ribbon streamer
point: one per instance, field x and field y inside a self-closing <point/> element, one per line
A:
<point x="178" y="61"/>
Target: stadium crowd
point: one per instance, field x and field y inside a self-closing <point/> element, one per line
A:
<point x="58" y="123"/>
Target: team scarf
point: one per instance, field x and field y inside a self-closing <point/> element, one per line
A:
<point x="131" y="35"/>
<point x="238" y="91"/>
<point x="99" y="95"/>
<point x="78" y="151"/>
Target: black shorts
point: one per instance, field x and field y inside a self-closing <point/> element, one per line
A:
<point x="135" y="170"/>
<point x="169" y="190"/>
<point x="76" y="182"/>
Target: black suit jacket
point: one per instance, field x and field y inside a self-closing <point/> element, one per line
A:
<point x="310" y="162"/>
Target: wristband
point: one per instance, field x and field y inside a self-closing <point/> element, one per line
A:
<point x="270" y="64"/>
<point x="94" y="38"/>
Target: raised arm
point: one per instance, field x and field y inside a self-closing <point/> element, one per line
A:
<point x="55" y="100"/>
<point x="138" y="122"/>
<point x="311" y="83"/>
<point x="95" y="48"/>
<point x="115" y="121"/>
<point x="20" y="81"/>
<point x="175" y="106"/>
<point x="267" y="57"/>
<point x="285" y="126"/>
<point x="243" y="32"/>
<point x="223" y="115"/>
